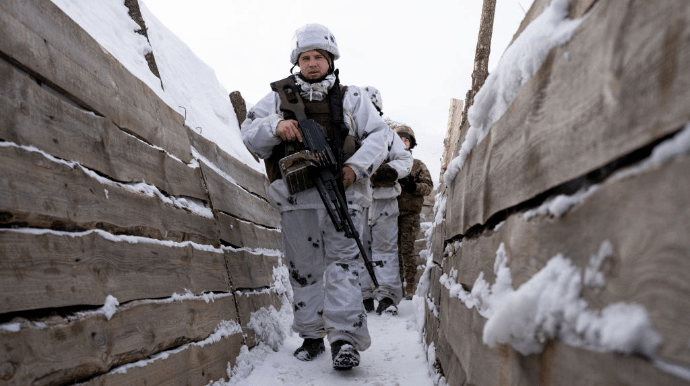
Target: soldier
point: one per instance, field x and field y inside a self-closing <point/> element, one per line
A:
<point x="381" y="230"/>
<point x="323" y="263"/>
<point x="414" y="187"/>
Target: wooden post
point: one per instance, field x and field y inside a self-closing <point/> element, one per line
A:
<point x="241" y="111"/>
<point x="481" y="56"/>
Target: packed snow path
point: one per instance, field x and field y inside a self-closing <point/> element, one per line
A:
<point x="396" y="358"/>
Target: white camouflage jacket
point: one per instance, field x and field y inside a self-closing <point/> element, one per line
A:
<point x="363" y="121"/>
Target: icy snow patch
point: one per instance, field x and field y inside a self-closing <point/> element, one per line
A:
<point x="519" y="63"/>
<point x="111" y="26"/>
<point x="109" y="307"/>
<point x="11" y="327"/>
<point x="593" y="275"/>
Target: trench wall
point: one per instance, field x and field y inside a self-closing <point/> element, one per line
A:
<point x="132" y="250"/>
<point x="587" y="130"/>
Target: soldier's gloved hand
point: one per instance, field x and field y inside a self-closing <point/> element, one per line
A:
<point x="383" y="174"/>
<point x="408" y="184"/>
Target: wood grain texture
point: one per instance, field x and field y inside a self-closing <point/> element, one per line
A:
<point x="44" y="40"/>
<point x="34" y="115"/>
<point x="242" y="233"/>
<point x="53" y="271"/>
<point x="38" y="192"/>
<point x="61" y="352"/>
<point x="234" y="200"/>
<point x="250" y="271"/>
<point x="197" y="365"/>
<point x="645" y="217"/>
<point x="243" y="175"/>
<point x="623" y="84"/>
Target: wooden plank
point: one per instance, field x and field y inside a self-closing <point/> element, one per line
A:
<point x="46" y="42"/>
<point x="52" y="271"/>
<point x="623" y="85"/>
<point x="450" y="364"/>
<point x="197" y="365"/>
<point x="248" y="302"/>
<point x="242" y="233"/>
<point x="62" y="352"/>
<point x="462" y="329"/>
<point x="645" y="217"/>
<point x="38" y="192"/>
<point x="244" y="175"/>
<point x="32" y="115"/>
<point x="558" y="364"/>
<point x="232" y="199"/>
<point x="250" y="271"/>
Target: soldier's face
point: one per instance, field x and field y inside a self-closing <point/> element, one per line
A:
<point x="312" y="64"/>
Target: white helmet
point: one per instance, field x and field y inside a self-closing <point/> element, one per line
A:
<point x="313" y="37"/>
<point x="375" y="97"/>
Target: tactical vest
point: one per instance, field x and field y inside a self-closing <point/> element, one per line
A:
<point x="319" y="112"/>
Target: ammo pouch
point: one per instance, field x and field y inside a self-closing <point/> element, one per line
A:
<point x="297" y="169"/>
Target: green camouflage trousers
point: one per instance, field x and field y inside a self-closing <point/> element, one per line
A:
<point x="408" y="228"/>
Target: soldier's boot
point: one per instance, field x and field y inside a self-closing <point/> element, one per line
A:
<point x="310" y="349"/>
<point x="344" y="355"/>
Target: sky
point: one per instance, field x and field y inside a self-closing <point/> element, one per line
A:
<point x="418" y="54"/>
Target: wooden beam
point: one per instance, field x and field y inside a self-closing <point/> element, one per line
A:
<point x="34" y="115"/>
<point x="232" y="199"/>
<point x="645" y="217"/>
<point x="618" y="85"/>
<point x="61" y="352"/>
<point x="53" y="271"/>
<point x="244" y="176"/>
<point x="250" y="271"/>
<point x="44" y="41"/>
<point x="245" y="234"/>
<point x="42" y="193"/>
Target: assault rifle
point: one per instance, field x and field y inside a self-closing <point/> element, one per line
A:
<point x="320" y="166"/>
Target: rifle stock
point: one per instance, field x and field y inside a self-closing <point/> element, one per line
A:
<point x="329" y="189"/>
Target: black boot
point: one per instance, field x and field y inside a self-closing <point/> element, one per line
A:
<point x="368" y="305"/>
<point x="310" y="349"/>
<point x="345" y="356"/>
<point x="386" y="305"/>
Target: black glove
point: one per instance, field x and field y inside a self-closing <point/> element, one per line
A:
<point x="408" y="184"/>
<point x="384" y="174"/>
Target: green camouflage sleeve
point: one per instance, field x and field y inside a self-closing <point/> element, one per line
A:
<point x="423" y="179"/>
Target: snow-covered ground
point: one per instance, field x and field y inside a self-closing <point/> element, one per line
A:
<point x="396" y="358"/>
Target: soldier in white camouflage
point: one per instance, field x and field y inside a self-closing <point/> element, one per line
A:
<point x="414" y="187"/>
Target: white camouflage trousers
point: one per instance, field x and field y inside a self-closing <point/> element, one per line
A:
<point x="380" y="239"/>
<point x="324" y="274"/>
